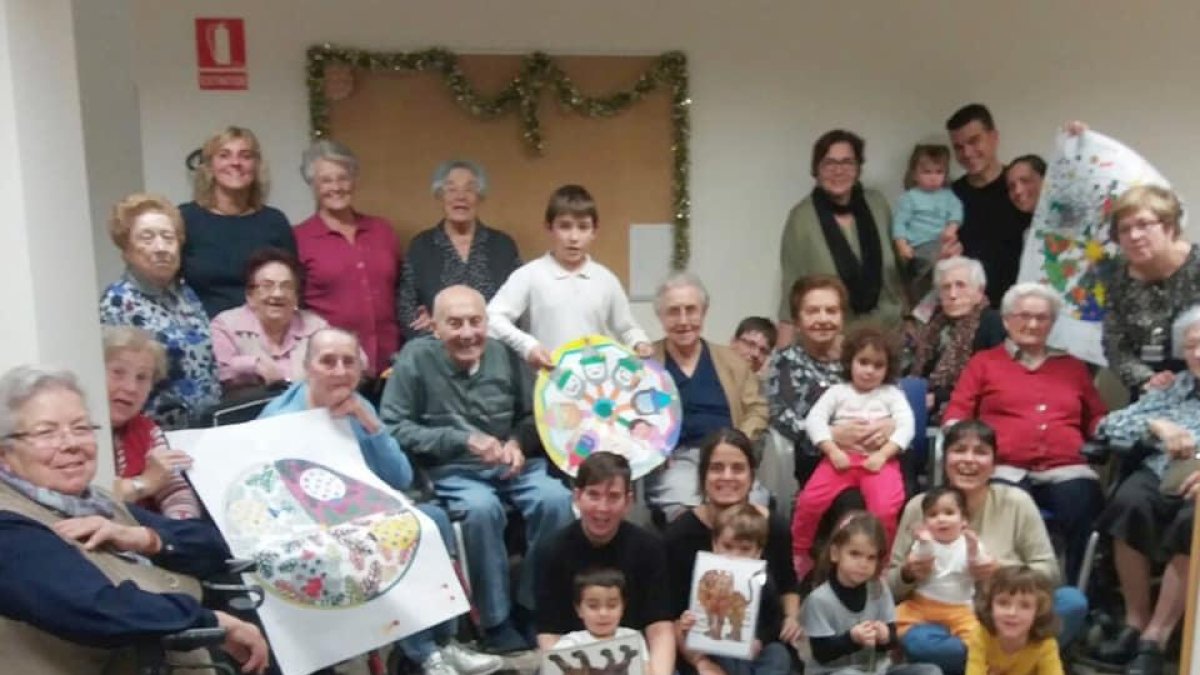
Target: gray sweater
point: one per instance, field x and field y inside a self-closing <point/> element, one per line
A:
<point x="432" y="406"/>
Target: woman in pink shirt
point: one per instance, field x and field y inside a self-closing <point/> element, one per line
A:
<point x="352" y="261"/>
<point x="264" y="340"/>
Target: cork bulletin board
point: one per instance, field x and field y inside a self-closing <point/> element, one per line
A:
<point x="403" y="122"/>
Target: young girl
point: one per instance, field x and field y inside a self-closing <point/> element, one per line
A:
<point x="1017" y="627"/>
<point x="850" y="617"/>
<point x="926" y="212"/>
<point x="946" y="597"/>
<point x="872" y="361"/>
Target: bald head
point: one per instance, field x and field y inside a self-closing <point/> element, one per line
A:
<point x="460" y="322"/>
<point x="458" y="299"/>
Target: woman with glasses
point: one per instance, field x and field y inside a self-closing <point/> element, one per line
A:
<point x="263" y="341"/>
<point x="151" y="295"/>
<point x="88" y="579"/>
<point x="844" y="230"/>
<point x="1043" y="406"/>
<point x="460" y="250"/>
<point x="1157" y="277"/>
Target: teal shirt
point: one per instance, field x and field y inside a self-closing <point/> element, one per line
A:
<point x="921" y="216"/>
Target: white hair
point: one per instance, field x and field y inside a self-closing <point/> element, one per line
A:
<point x="679" y="280"/>
<point x="21" y="384"/>
<point x="330" y="151"/>
<point x="1031" y="288"/>
<point x="975" y="273"/>
<point x="310" y="351"/>
<point x="1187" y="320"/>
<point x="444" y="169"/>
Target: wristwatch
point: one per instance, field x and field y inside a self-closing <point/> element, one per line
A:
<point x="139" y="487"/>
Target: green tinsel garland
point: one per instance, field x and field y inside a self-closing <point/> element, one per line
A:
<point x="537" y="72"/>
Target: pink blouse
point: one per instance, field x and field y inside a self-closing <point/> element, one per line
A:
<point x="240" y="342"/>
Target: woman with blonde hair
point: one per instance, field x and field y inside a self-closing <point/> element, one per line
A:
<point x="229" y="219"/>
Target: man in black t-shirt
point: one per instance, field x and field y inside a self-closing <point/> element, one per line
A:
<point x="993" y="230"/>
<point x="602" y="538"/>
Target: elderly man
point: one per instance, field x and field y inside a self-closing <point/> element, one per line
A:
<point x="333" y="367"/>
<point x="462" y="405"/>
<point x="716" y="390"/>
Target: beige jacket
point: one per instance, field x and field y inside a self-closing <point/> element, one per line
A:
<point x="743" y="390"/>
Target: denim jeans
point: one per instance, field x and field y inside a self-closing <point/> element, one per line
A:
<point x="481" y="493"/>
<point x="422" y="644"/>
<point x="772" y="660"/>
<point x="931" y="643"/>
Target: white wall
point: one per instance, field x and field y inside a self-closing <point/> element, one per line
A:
<point x="767" y="78"/>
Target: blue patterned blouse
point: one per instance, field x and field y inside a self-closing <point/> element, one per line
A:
<point x="176" y="318"/>
<point x="1178" y="403"/>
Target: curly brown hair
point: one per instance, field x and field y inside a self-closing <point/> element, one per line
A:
<point x="873" y="338"/>
<point x="1020" y="579"/>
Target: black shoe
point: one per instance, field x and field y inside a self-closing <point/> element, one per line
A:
<point x="1149" y="660"/>
<point x="1120" y="649"/>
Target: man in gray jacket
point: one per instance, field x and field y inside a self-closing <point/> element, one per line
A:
<point x="461" y="405"/>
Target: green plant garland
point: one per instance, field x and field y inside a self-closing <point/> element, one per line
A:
<point x="537" y="72"/>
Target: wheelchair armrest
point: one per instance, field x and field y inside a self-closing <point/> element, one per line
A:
<point x="193" y="638"/>
<point x="241" y="566"/>
<point x="1096" y="451"/>
<point x="238" y="597"/>
<point x="457" y="515"/>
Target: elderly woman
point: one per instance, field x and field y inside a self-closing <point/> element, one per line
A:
<point x="151" y="296"/>
<point x="458" y="250"/>
<point x="1043" y="405"/>
<point x="1010" y="528"/>
<point x="229" y="219"/>
<point x="1150" y="517"/>
<point x="962" y="324"/>
<point x="87" y="579"/>
<point x="148" y="469"/>
<point x="716" y="391"/>
<point x="351" y="260"/>
<point x="842" y="229"/>
<point x="1024" y="176"/>
<point x="1157" y="276"/>
<point x="263" y="341"/>
<point x="726" y="468"/>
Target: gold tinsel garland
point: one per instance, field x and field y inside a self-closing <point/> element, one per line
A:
<point x="537" y="72"/>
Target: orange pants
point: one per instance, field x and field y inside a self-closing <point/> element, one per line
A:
<point x="958" y="619"/>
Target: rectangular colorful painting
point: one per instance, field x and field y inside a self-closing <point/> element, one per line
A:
<point x="725" y="597"/>
<point x="619" y="656"/>
<point x="348" y="564"/>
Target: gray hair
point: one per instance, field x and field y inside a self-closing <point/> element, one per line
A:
<point x="330" y="151"/>
<point x="444" y="169"/>
<point x="974" y="268"/>
<point x="21" y="384"/>
<point x="679" y="280"/>
<point x="1031" y="288"/>
<point x="1190" y="318"/>
<point x="310" y="351"/>
<point x="134" y="339"/>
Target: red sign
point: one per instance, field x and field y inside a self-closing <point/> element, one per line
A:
<point x="221" y="53"/>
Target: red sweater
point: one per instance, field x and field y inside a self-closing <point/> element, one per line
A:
<point x="1042" y="417"/>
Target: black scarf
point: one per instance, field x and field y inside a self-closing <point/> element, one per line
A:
<point x="863" y="279"/>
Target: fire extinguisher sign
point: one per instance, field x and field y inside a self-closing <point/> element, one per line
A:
<point x="221" y="53"/>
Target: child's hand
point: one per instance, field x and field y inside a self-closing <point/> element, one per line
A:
<point x="883" y="635"/>
<point x="875" y="461"/>
<point x="687" y="621"/>
<point x="644" y="350"/>
<point x="863" y="634"/>
<point x="539" y="357"/>
<point x="922" y="533"/>
<point x="839" y="459"/>
<point x="790" y="631"/>
<point x="950" y="233"/>
<point x="707" y="666"/>
<point x="972" y="543"/>
<point x="904" y="250"/>
<point x="755" y="649"/>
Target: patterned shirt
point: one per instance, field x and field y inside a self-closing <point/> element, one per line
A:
<point x="795" y="383"/>
<point x="1140" y="313"/>
<point x="1178" y="403"/>
<point x="176" y="318"/>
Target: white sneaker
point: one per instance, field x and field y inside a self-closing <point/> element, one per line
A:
<point x="470" y="662"/>
<point x="436" y="665"/>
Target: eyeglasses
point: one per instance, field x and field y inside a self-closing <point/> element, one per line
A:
<point x="1126" y="229"/>
<point x="456" y="190"/>
<point x="760" y="348"/>
<point x="830" y="164"/>
<point x="271" y="286"/>
<point x="56" y="437"/>
<point x="1030" y="317"/>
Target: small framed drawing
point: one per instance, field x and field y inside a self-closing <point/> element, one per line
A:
<point x="624" y="654"/>
<point x="726" y="593"/>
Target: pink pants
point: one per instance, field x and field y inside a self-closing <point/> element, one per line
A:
<point x="883" y="492"/>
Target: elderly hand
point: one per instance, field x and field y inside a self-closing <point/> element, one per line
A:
<point x="1177" y="442"/>
<point x="644" y="350"/>
<point x="486" y="448"/>
<point x="422" y="323"/>
<point x="96" y="531"/>
<point x="161" y="465"/>
<point x="512" y="455"/>
<point x="268" y="371"/>
<point x="244" y="642"/>
<point x="539" y="358"/>
<point x="1159" y="380"/>
<point x="1190" y="487"/>
<point x="353" y="407"/>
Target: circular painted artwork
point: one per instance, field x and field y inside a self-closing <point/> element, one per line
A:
<point x="321" y="539"/>
<point x="601" y="397"/>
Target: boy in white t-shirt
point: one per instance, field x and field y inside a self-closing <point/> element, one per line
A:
<point x="600" y="604"/>
<point x="565" y="293"/>
<point x="946" y="597"/>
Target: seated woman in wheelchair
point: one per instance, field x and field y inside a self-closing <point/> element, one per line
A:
<point x="1150" y="516"/>
<point x="86" y="580"/>
<point x="1043" y="405"/>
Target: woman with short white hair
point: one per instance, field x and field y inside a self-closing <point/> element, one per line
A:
<point x="351" y="260"/>
<point x="963" y="324"/>
<point x="458" y="250"/>
<point x="1043" y="406"/>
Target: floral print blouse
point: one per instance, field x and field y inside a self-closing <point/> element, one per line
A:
<point x="795" y="382"/>
<point x="176" y="318"/>
<point x="1178" y="403"/>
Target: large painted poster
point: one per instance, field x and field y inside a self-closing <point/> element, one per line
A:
<point x="348" y="564"/>
<point x="1068" y="246"/>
